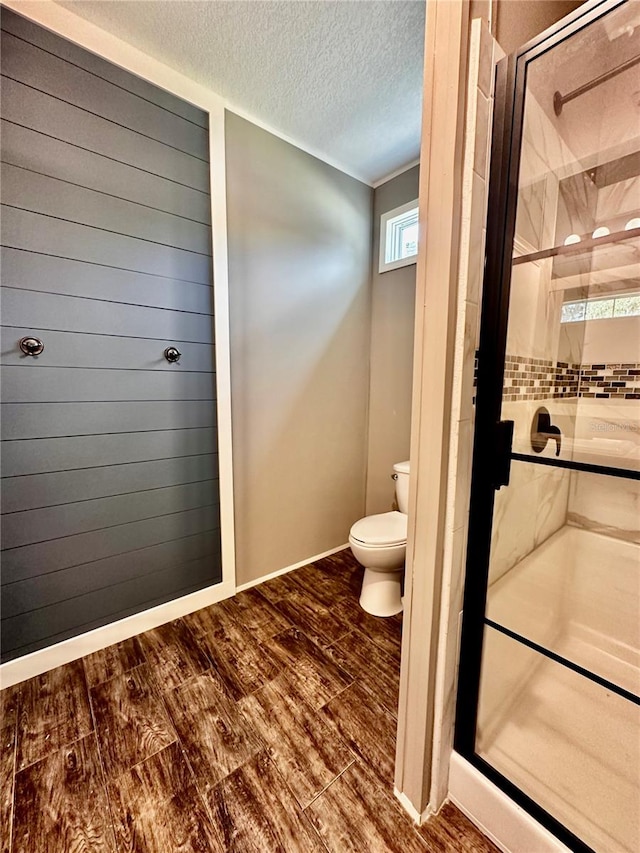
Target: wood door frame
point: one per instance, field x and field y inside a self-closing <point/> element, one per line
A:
<point x="440" y="208"/>
<point x="90" y="37"/>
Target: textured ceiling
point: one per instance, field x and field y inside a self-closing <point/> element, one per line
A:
<point x="342" y="78"/>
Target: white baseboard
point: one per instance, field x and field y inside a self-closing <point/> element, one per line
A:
<point x="510" y="827"/>
<point x="36" y="663"/>
<point x="48" y="658"/>
<point x="284" y="571"/>
<point x="413" y="812"/>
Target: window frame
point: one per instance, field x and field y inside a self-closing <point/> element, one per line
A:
<point x="388" y="236"/>
<point x="594" y="300"/>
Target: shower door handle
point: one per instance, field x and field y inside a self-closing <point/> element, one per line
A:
<point x="503" y="444"/>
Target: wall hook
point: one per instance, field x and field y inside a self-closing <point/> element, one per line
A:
<point x="31" y="346"/>
<point x="172" y="355"/>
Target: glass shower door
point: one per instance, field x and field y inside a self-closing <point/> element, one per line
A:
<point x="551" y="637"/>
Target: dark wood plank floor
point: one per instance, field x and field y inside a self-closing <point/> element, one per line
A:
<point x="263" y="723"/>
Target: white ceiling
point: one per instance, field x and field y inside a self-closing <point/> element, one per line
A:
<point x="341" y="78"/>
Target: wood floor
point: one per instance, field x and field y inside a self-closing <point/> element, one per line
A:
<point x="263" y="723"/>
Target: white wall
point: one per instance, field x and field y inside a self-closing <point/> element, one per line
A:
<point x="299" y="239"/>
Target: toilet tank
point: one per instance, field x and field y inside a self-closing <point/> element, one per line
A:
<point x="401" y="476"/>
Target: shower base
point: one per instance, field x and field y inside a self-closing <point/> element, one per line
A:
<point x="568" y="742"/>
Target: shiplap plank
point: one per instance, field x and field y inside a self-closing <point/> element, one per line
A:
<point x="39" y="525"/>
<point x="20" y="458"/>
<point x="44" y="590"/>
<point x="34" y="67"/>
<point x="38" y="193"/>
<point x="22" y="229"/>
<point x="107" y="258"/>
<point x="73" y="314"/>
<point x="26" y="29"/>
<point x="103" y="352"/>
<point x="63" y="487"/>
<point x="29" y="383"/>
<point x="47" y="420"/>
<point x="30" y="149"/>
<point x="105" y="604"/>
<point x="49" y="274"/>
<point x="30" y="560"/>
<point x="39" y="111"/>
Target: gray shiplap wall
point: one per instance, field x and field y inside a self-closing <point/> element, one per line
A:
<point x="110" y="499"/>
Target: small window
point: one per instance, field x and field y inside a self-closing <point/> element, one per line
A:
<point x="399" y="237"/>
<point x="601" y="309"/>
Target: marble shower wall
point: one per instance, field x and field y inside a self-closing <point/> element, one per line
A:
<point x="526" y="514"/>
<point x="535" y="504"/>
<point x="606" y="505"/>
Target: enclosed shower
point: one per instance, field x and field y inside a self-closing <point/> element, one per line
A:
<point x="550" y="661"/>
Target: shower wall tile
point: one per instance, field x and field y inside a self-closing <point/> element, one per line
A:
<point x="530" y="216"/>
<point x="462" y="472"/>
<point x="534" y="312"/>
<point x="528" y="512"/>
<point x="617" y="381"/>
<point x="539" y="379"/>
<point x="544" y="150"/>
<point x="521" y="412"/>
<point x="610" y="420"/>
<point x="476" y="242"/>
<point x="551" y="505"/>
<point x="485" y="64"/>
<point x="453" y="590"/>
<point x="483" y="111"/>
<point x="514" y="523"/>
<point x="476" y="270"/>
<point x="604" y="504"/>
<point x="617" y="203"/>
<point x="468" y="343"/>
<point x="577" y="199"/>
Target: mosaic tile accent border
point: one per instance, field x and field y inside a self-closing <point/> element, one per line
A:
<point x="540" y="379"/>
<point x="610" y="381"/>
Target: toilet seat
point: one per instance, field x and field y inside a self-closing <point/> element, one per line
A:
<point x="381" y="531"/>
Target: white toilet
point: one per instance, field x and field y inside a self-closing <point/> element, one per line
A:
<point x="379" y="543"/>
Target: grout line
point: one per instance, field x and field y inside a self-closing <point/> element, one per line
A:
<point x="326" y="787"/>
<point x="47" y="755"/>
<point x="339" y="693"/>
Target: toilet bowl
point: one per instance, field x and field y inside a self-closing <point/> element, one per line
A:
<point x="379" y="543"/>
